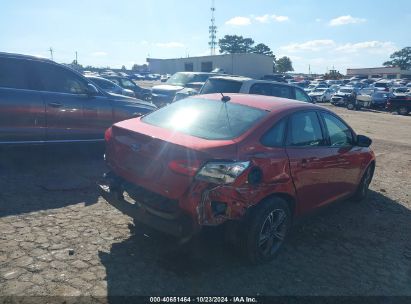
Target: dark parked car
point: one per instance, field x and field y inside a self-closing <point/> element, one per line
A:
<point x="245" y="85"/>
<point x="252" y="162"/>
<point x="399" y="104"/>
<point x="109" y="86"/>
<point x="165" y="93"/>
<point x="43" y="102"/>
<point x="124" y="82"/>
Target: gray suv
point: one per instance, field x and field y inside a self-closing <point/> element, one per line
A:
<point x="245" y="85"/>
<point x="45" y="102"/>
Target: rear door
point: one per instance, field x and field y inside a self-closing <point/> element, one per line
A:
<point x="22" y="110"/>
<point x="312" y="162"/>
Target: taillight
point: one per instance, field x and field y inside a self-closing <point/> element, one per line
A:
<point x="185" y="167"/>
<point x="107" y="134"/>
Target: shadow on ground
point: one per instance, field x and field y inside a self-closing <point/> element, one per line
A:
<point x="346" y="249"/>
<point x="39" y="177"/>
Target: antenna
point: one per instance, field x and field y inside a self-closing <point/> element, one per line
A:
<point x="51" y="53"/>
<point x="212" y="30"/>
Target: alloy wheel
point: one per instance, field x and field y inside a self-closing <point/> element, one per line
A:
<point x="272" y="232"/>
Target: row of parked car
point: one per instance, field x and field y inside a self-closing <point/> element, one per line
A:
<point x="253" y="163"/>
<point x="382" y="94"/>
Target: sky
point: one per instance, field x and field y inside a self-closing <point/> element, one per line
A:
<point x="320" y="34"/>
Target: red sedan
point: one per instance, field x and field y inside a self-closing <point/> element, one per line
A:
<point x="252" y="160"/>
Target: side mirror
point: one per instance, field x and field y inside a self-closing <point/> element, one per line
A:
<point x="363" y="141"/>
<point x="91" y="90"/>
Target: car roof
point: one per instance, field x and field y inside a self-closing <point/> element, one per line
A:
<point x="249" y="80"/>
<point x="22" y="56"/>
<point x="267" y="103"/>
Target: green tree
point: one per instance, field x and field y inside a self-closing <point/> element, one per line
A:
<point x="401" y="58"/>
<point x="231" y="44"/>
<point x="284" y="64"/>
<point x="263" y="49"/>
<point x="123" y="68"/>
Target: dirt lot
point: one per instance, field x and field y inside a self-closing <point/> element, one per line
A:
<point x="59" y="237"/>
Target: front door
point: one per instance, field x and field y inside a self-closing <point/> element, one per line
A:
<point x="65" y="94"/>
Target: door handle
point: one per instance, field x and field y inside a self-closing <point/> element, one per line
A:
<point x="55" y="104"/>
<point x="304" y="162"/>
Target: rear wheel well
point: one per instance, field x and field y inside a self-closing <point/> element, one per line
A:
<point x="285" y="196"/>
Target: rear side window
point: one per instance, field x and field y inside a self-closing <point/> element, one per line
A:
<point x="339" y="133"/>
<point x="221" y="86"/>
<point x="13" y="74"/>
<point x="57" y="79"/>
<point x="275" y="136"/>
<point x="305" y="130"/>
<point x="269" y="89"/>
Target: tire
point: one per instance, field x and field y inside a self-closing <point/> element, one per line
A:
<point x="265" y="230"/>
<point x="403" y="110"/>
<point x="363" y="188"/>
<point x="350" y="106"/>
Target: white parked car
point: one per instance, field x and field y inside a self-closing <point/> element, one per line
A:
<point x="321" y="94"/>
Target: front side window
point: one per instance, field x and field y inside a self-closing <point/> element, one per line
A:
<point x="301" y="96"/>
<point x="13" y="74"/>
<point x="128" y="84"/>
<point x="305" y="130"/>
<point x="339" y="133"/>
<point x="57" y="79"/>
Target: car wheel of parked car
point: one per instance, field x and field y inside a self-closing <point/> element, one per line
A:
<point x="362" y="191"/>
<point x="350" y="106"/>
<point x="266" y="229"/>
<point x="146" y="97"/>
<point x="403" y="111"/>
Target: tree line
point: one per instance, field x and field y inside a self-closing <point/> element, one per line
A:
<point x="231" y="44"/>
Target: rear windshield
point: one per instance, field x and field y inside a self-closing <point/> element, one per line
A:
<point x="221" y="86"/>
<point x="204" y="118"/>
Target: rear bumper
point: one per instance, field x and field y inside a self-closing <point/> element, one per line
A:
<point x="176" y="223"/>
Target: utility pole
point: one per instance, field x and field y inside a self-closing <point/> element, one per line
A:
<point x="51" y="53"/>
<point x="76" y="58"/>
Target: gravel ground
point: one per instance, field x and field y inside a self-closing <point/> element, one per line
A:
<point x="59" y="237"/>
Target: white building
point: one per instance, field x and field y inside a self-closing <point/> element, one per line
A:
<point x="247" y="64"/>
<point x="382" y="72"/>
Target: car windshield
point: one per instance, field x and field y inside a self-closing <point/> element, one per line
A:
<point x="180" y="79"/>
<point x="205" y="118"/>
<point x="346" y="91"/>
<point x="319" y="90"/>
<point x="221" y="86"/>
